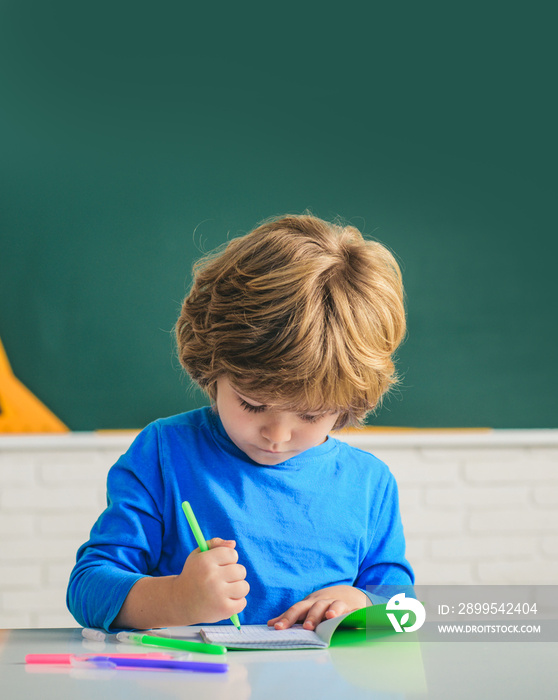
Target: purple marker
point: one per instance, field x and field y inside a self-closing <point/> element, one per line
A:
<point x="203" y="666"/>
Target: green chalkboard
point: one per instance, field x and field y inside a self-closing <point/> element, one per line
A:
<point x="134" y="137"/>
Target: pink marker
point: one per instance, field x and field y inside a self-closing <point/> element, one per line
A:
<point x="66" y="659"/>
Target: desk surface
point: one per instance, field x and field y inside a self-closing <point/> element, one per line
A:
<point x="356" y="667"/>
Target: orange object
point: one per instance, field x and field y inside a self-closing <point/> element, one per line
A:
<point x="20" y="410"/>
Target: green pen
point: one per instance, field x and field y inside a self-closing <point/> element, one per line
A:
<point x="202" y="544"/>
<point x="180" y="644"/>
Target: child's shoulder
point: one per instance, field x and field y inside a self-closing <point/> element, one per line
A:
<point x="181" y="423"/>
<point x="361" y="459"/>
<point x="190" y="419"/>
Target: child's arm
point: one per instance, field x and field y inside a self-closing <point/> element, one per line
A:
<point x="134" y="572"/>
<point x="210" y="588"/>
<point x="321" y="605"/>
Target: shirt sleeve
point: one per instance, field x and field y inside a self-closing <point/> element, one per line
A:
<point x="385" y="569"/>
<point x="125" y="542"/>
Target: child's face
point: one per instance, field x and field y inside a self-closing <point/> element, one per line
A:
<point x="266" y="433"/>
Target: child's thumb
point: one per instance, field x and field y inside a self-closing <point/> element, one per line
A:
<point x="218" y="542"/>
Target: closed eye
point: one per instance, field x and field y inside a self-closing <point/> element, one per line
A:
<point x="311" y="418"/>
<point x="250" y="407"/>
<point x="306" y="417"/>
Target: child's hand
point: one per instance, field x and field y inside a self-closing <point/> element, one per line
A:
<point x="212" y="585"/>
<point x="321" y="605"/>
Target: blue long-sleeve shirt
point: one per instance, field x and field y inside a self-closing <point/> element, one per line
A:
<point x="328" y="516"/>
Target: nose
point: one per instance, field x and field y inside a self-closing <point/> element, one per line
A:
<point x="276" y="429"/>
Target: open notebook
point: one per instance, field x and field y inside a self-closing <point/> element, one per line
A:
<point x="264" y="637"/>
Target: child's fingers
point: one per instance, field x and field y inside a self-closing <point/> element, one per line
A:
<point x="323" y="610"/>
<point x="238" y="590"/>
<point x="221" y="552"/>
<point x="282" y="622"/>
<point x="223" y="556"/>
<point x="313" y="612"/>
<point x="293" y="614"/>
<point x="235" y="572"/>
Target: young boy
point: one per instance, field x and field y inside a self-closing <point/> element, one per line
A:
<point x="290" y="330"/>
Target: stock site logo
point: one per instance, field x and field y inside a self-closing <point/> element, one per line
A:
<point x="400" y="602"/>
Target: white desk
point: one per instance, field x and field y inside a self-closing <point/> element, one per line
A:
<point x="357" y="668"/>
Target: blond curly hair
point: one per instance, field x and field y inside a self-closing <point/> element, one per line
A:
<point x="299" y="312"/>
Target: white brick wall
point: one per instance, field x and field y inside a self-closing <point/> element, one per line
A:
<point x="476" y="507"/>
<point x="52" y="488"/>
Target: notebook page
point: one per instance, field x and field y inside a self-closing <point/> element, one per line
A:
<point x="261" y="637"/>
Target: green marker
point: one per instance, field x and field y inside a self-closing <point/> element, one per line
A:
<point x="202" y="544"/>
<point x="180" y="644"/>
